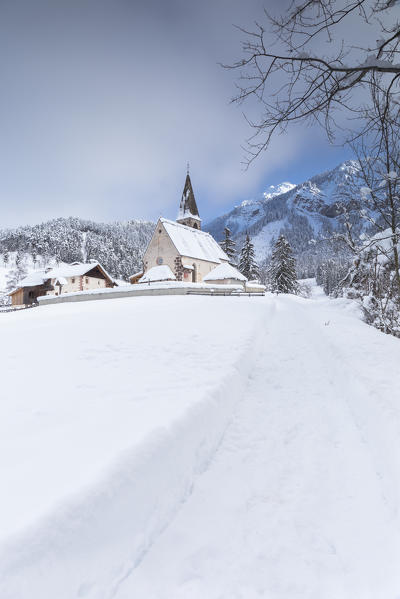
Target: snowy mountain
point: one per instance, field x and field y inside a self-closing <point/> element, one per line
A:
<point x="305" y="213"/>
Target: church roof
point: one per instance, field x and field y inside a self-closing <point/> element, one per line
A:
<point x="194" y="243"/>
<point x="223" y="272"/>
<point x="188" y="206"/>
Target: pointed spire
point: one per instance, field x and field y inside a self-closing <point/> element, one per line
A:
<point x="188" y="205"/>
<point x="188" y="212"/>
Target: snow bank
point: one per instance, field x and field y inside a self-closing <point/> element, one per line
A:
<point x="101" y="444"/>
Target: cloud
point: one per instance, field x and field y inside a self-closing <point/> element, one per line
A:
<point x="104" y="102"/>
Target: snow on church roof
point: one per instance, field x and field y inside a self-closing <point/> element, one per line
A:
<point x="194" y="243"/>
<point x="158" y="273"/>
<point x="224" y="271"/>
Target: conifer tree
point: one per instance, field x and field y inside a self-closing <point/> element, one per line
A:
<point x="282" y="269"/>
<point x="228" y="245"/>
<point x="247" y="263"/>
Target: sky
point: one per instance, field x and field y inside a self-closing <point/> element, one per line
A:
<point x="103" y="103"/>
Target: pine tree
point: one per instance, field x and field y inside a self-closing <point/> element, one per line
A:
<point x="228" y="245"/>
<point x="247" y="263"/>
<point x="282" y="269"/>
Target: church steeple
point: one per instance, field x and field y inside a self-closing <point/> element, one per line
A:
<point x="188" y="213"/>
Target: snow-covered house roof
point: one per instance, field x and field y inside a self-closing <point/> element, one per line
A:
<point x="223" y="272"/>
<point x="38" y="277"/>
<point x="194" y="243"/>
<point x="158" y="273"/>
<point x="76" y="269"/>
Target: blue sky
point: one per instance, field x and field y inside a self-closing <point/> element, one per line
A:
<point x="104" y="101"/>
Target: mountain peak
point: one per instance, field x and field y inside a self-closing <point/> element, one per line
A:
<point x="271" y="192"/>
<point x="277" y="190"/>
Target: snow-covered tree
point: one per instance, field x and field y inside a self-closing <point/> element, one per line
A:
<point x="374" y="277"/>
<point x="372" y="281"/>
<point x="247" y="263"/>
<point x="118" y="246"/>
<point x="282" y="270"/>
<point x="228" y="245"/>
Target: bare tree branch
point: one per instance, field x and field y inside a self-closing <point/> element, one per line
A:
<point x="297" y="85"/>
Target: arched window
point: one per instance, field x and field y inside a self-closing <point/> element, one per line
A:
<point x="195" y="226"/>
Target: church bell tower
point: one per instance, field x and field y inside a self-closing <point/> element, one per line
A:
<point x="188" y="213"/>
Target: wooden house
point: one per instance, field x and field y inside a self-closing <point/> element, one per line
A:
<point x="61" y="279"/>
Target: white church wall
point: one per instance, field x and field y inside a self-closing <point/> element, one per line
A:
<point x="160" y="248"/>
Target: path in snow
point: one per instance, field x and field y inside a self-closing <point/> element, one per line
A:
<point x="301" y="498"/>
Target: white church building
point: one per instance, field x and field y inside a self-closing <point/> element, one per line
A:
<point x="180" y="251"/>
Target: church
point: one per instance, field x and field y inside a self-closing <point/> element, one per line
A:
<point x="186" y="252"/>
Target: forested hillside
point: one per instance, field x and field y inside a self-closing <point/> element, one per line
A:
<point x="118" y="246"/>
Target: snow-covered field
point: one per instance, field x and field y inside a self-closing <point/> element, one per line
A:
<point x="199" y="447"/>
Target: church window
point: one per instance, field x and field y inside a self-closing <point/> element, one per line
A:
<point x="159" y="260"/>
<point x="159" y="230"/>
<point x="73" y="280"/>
